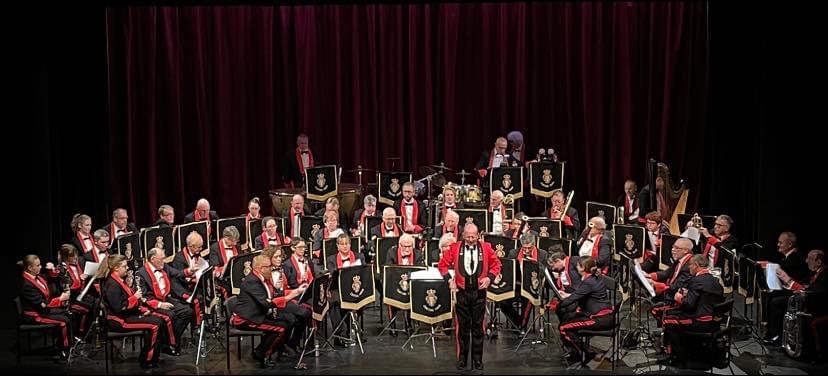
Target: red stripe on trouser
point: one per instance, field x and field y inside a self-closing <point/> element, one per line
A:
<point x="84" y="314"/>
<point x="168" y="322"/>
<point x="658" y="312"/>
<point x="390" y="314"/>
<point x="674" y="321"/>
<point x="574" y="325"/>
<point x="526" y="311"/>
<point x="64" y="330"/>
<point x="139" y="326"/>
<point x="268" y="328"/>
<point x="197" y="311"/>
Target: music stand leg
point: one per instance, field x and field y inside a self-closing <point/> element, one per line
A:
<point x="200" y="341"/>
<point x="538" y="317"/>
<point x="388" y="327"/>
<point x="355" y="328"/>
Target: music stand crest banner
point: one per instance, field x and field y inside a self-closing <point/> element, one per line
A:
<point x="476" y="216"/>
<point x="599" y="209"/>
<point x="321" y="182"/>
<point x="356" y="286"/>
<point x="308" y="226"/>
<point x="430" y="301"/>
<point x="130" y="246"/>
<point x="159" y="237"/>
<point x="389" y="185"/>
<point x="508" y="180"/>
<point x="545" y="178"/>
<point x="531" y="281"/>
<point x="396" y="284"/>
<point x="545" y="227"/>
<point x="240" y="267"/>
<point x="182" y="231"/>
<point x="547" y="243"/>
<point x="629" y="240"/>
<point x="503" y="286"/>
<point x="501" y="244"/>
<point x="317" y="297"/>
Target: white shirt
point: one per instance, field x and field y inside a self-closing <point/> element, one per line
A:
<point x="305" y="158"/>
<point x="335" y="233"/>
<point x="470" y="262"/>
<point x="497" y="160"/>
<point x="586" y="247"/>
<point x="634" y="215"/>
<point x="653" y="239"/>
<point x="277" y="279"/>
<point x="87" y="243"/>
<point x="303" y="269"/>
<point x="228" y="251"/>
<point x="409" y="213"/>
<point x="162" y="284"/>
<point x="389" y="233"/>
<point x="497" y="220"/>
<point x="297" y="226"/>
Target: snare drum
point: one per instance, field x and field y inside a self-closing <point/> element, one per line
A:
<point x="282" y="198"/>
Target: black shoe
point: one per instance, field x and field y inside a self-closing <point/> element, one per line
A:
<point x="461" y="364"/>
<point x="340" y="343"/>
<point x="149" y="365"/>
<point x="775" y="341"/>
<point x="173" y="351"/>
<point x="266" y="363"/>
<point x="392" y="333"/>
<point x="478" y="364"/>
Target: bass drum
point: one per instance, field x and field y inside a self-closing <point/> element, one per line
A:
<point x="350" y="198"/>
<point x="282" y="197"/>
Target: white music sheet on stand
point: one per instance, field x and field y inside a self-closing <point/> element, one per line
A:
<point x="431" y="273"/>
<point x="90" y="268"/>
<point x="642" y="277"/>
<point x="770" y="275"/>
<point x="201" y="266"/>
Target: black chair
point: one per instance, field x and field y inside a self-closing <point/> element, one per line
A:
<point x="586" y="335"/>
<point x="232" y="331"/>
<point x="718" y="343"/>
<point x="28" y="329"/>
<point x="110" y="337"/>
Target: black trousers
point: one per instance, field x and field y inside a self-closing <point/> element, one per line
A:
<point x="470" y="308"/>
<point x="179" y="316"/>
<point x="275" y="332"/>
<point x="777" y="305"/>
<point x="580" y="321"/>
<point x="296" y="318"/>
<point x="56" y="317"/>
<point x="154" y="333"/>
<point x="519" y="317"/>
<point x="675" y="326"/>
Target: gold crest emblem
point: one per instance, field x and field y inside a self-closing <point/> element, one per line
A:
<point x="535" y="281"/>
<point x="544" y="231"/>
<point x="506" y="184"/>
<point x="394" y="187"/>
<point x="247" y="268"/>
<point x="322" y="295"/>
<point x="628" y="242"/>
<point x="403" y="284"/>
<point x="546" y="179"/>
<point x="314" y="229"/>
<point x="431" y="297"/>
<point x="602" y="215"/>
<point x="159" y="242"/>
<point x="469" y="220"/>
<point x="500" y="251"/>
<point x="321" y="183"/>
<point x="356" y="284"/>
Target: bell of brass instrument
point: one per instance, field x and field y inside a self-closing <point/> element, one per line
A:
<point x="697" y="221"/>
<point x="509" y="199"/>
<point x="793" y="335"/>
<point x="620" y="217"/>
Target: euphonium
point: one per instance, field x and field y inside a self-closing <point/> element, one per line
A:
<point x="697" y="221"/>
<point x="793" y="337"/>
<point x="620" y="218"/>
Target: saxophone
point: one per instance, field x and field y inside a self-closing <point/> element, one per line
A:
<point x="793" y="335"/>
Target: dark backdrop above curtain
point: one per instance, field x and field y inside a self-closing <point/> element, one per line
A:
<point x="205" y="101"/>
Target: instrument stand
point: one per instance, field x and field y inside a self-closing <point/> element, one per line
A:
<point x="355" y="330"/>
<point x="539" y="316"/>
<point x="643" y="339"/>
<point x="390" y="322"/>
<point x="78" y="349"/>
<point x="316" y="348"/>
<point x="214" y="328"/>
<point x="495" y="324"/>
<point x="754" y="335"/>
<point x="430" y="335"/>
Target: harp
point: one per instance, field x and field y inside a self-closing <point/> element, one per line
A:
<point x="675" y="195"/>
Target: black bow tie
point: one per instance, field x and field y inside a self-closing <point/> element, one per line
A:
<point x="86" y="238"/>
<point x="346" y="259"/>
<point x="158" y="271"/>
<point x="300" y="259"/>
<point x="304" y="152"/>
<point x="271" y="239"/>
<point x="495" y="209"/>
<point x="409" y="203"/>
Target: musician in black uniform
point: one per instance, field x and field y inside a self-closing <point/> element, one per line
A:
<point x="41" y="306"/>
<point x="369" y="209"/>
<point x="259" y="306"/>
<point x="120" y="225"/>
<point x="596" y="310"/>
<point x="412" y="211"/>
<point x="165" y="297"/>
<point x="296" y="313"/>
<point x="188" y="261"/>
<point x="403" y="253"/>
<point x="125" y="312"/>
<point x="71" y="268"/>
<point x="450" y="225"/>
<point x="475" y="266"/>
<point x="269" y="236"/>
<point x="667" y="282"/>
<point x="220" y="254"/>
<point x="815" y="293"/>
<point x="568" y="280"/>
<point x="794" y="267"/>
<point x="570" y="220"/>
<point x="596" y="242"/>
<point x="527" y="251"/>
<point x="345" y="257"/>
<point x="166" y="216"/>
<point x="695" y="309"/>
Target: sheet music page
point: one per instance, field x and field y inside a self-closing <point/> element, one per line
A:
<point x="552" y="284"/>
<point x="90" y="268"/>
<point x="770" y="275"/>
<point x="201" y="267"/>
<point x="642" y="277"/>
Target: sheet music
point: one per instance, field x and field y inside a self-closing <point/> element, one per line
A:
<point x="198" y="282"/>
<point x="552" y="285"/>
<point x="90" y="268"/>
<point x="201" y="266"/>
<point x="642" y="277"/>
<point x="770" y="275"/>
<point x="88" y="284"/>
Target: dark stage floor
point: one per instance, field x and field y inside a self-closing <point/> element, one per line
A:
<point x="385" y="356"/>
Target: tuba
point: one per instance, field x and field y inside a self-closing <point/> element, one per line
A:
<point x="793" y="335"/>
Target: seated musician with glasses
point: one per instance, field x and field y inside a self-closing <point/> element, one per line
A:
<point x="667" y="282"/>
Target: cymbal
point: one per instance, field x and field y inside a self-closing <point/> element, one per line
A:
<point x="441" y="167"/>
<point x="360" y="169"/>
<point x="462" y="173"/>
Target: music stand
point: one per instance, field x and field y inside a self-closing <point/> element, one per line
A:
<point x="358" y="297"/>
<point x="319" y="308"/>
<point x="429" y="306"/>
<point x="396" y="291"/>
<point x="501" y="289"/>
<point x="750" y="268"/>
<point x="637" y="300"/>
<point x="540" y="307"/>
<point x="208" y="272"/>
